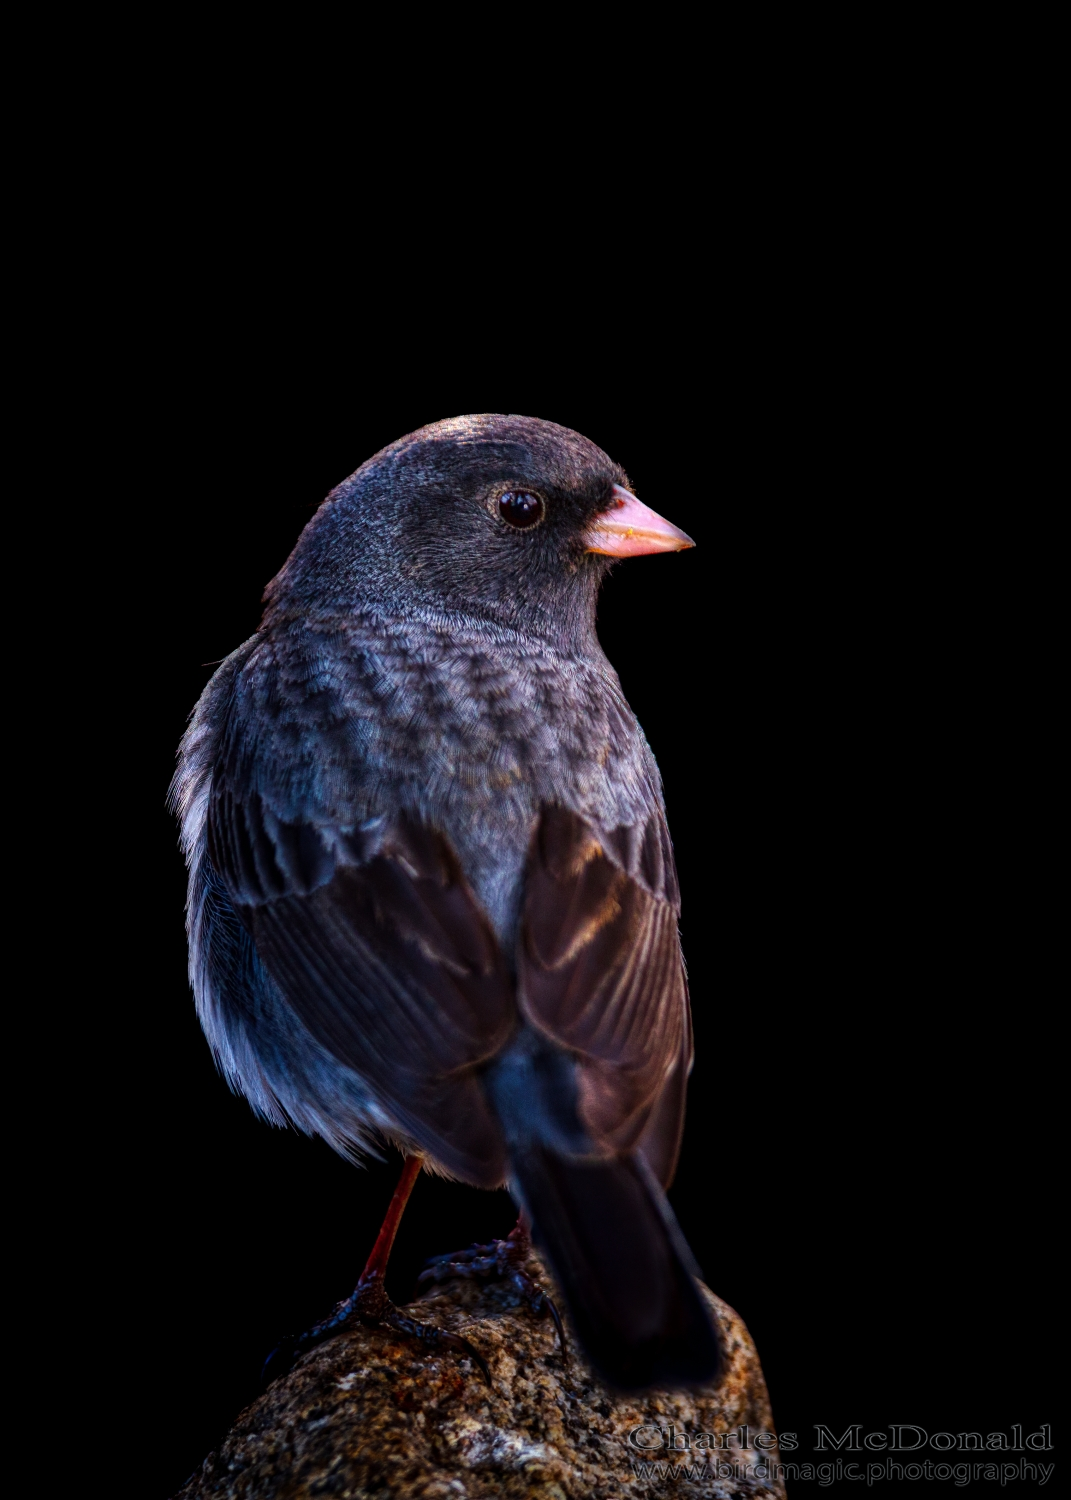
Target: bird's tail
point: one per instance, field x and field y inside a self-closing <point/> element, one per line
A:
<point x="625" y="1269"/>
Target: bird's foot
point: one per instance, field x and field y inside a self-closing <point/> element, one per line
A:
<point x="369" y="1305"/>
<point x="500" y="1260"/>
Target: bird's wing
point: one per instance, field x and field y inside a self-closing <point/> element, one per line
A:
<point x="379" y="946"/>
<point x="601" y="972"/>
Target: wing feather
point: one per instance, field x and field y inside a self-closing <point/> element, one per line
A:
<point x="380" y="947"/>
<point x="601" y="973"/>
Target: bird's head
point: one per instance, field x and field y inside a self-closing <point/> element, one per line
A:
<point x="504" y="517"/>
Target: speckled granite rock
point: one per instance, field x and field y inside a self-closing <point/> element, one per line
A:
<point x="369" y="1414"/>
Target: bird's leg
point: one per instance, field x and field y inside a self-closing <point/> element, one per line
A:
<point x="500" y="1260"/>
<point x="369" y="1304"/>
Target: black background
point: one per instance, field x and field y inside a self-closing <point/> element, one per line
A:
<point x="833" y="682"/>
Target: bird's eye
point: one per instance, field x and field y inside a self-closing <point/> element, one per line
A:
<point x="521" y="509"/>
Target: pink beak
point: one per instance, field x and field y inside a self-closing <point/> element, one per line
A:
<point x="629" y="529"/>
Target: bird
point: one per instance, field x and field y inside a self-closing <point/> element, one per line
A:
<point x="432" y="898"/>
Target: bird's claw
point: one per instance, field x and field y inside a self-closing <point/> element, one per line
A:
<point x="437" y="1338"/>
<point x="502" y="1260"/>
<point x="280" y="1361"/>
<point x="370" y="1306"/>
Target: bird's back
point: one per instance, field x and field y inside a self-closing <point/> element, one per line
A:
<point x="466" y="725"/>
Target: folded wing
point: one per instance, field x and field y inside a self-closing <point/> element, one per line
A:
<point x="379" y="946"/>
<point x="601" y="973"/>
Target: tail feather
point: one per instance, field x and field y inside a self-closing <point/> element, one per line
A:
<point x="623" y="1265"/>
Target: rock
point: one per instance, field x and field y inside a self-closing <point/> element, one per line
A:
<point x="371" y="1414"/>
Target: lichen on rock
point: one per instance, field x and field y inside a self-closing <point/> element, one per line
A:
<point x="369" y="1413"/>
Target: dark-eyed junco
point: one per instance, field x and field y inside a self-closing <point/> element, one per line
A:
<point x="432" y="893"/>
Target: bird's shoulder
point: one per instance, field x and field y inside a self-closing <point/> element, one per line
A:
<point x="338" y="720"/>
<point x="364" y="684"/>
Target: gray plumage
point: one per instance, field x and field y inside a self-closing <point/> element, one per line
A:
<point x="431" y="889"/>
